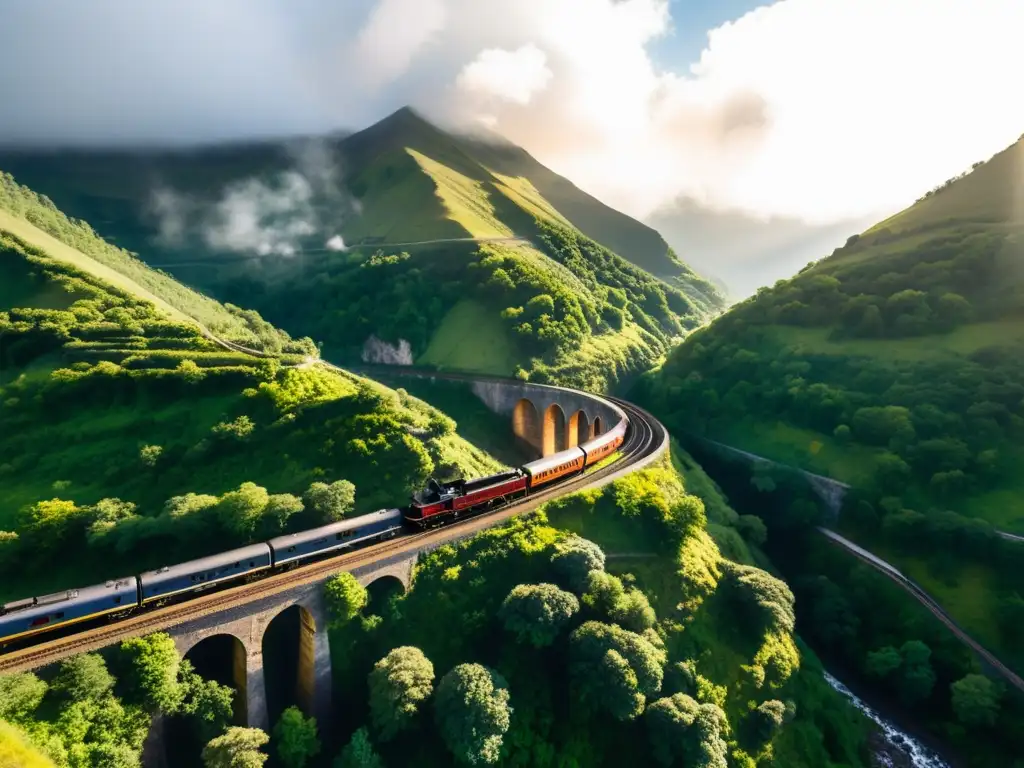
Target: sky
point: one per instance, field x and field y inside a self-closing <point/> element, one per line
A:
<point x="818" y="110"/>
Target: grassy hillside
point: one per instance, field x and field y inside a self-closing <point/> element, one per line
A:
<point x="128" y="438"/>
<point x="250" y="225"/>
<point x="897" y="365"/>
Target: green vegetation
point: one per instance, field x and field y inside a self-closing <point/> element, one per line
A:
<point x="894" y="365"/>
<point x="87" y="716"/>
<point x="538" y="650"/>
<point x="562" y="307"/>
<point x="571" y="311"/>
<point x="879" y="638"/>
<point x="34" y="220"/>
<point x="108" y="409"/>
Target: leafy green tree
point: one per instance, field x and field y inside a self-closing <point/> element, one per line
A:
<point x="917" y="678"/>
<point x="753" y="529"/>
<point x="83" y="677"/>
<point x="607" y="595"/>
<point x="574" y="559"/>
<point x="280" y="509"/>
<point x="766" y="720"/>
<point x="473" y="713"/>
<point x="537" y="613"/>
<point x="883" y="662"/>
<point x="151" y="677"/>
<point x="330" y="503"/>
<point x="190" y="371"/>
<point x="236" y="748"/>
<point x="149" y="455"/>
<point x="399" y="684"/>
<point x="20" y="694"/>
<point x="240" y="511"/>
<point x="614" y="670"/>
<point x="358" y="753"/>
<point x="975" y="700"/>
<point x="209" y="702"/>
<point x="346" y="597"/>
<point x="295" y="738"/>
<point x="683" y="732"/>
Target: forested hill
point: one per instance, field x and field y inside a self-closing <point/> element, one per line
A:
<point x="300" y="233"/>
<point x="896" y="365"/>
<point x="129" y="439"/>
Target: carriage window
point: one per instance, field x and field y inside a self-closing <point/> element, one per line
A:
<point x="252" y="563"/>
<point x="59" y="615"/>
<point x="117" y="600"/>
<point x="291" y="549"/>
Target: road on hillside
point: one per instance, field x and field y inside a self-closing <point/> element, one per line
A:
<point x="927" y="601"/>
<point x="646" y="441"/>
<point x="220" y="261"/>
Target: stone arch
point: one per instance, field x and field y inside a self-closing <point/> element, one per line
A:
<point x="526" y="424"/>
<point x="578" y="430"/>
<point x="597" y="427"/>
<point x="554" y="430"/>
<point x="291" y="645"/>
<point x="224" y="647"/>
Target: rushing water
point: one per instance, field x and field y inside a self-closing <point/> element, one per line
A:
<point x="920" y="756"/>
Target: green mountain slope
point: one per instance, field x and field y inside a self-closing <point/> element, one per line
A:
<point x="256" y="225"/>
<point x="129" y="438"/>
<point x="897" y="365"/>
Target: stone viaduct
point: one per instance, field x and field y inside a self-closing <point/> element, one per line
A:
<point x="547" y="418"/>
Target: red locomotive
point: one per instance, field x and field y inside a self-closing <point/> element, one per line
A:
<point x="440" y="503"/>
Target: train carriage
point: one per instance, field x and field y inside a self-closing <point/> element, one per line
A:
<point x="197" y="575"/>
<point x="23" y="618"/>
<point x="604" y="445"/>
<point x="335" y="537"/>
<point x="555" y="467"/>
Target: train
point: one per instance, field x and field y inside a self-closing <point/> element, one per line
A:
<point x="436" y="505"/>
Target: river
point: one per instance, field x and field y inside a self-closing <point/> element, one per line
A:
<point x="918" y="755"/>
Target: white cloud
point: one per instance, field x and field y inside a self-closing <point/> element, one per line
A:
<point x="821" y="109"/>
<point x="335" y="243"/>
<point x="510" y="75"/>
<point x="394" y="35"/>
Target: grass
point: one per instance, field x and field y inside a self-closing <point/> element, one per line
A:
<point x="961" y="341"/>
<point x="465" y="200"/>
<point x="471" y="338"/>
<point x="799" y="447"/>
<point x="57" y="250"/>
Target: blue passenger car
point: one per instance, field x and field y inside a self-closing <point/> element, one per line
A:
<point x="197" y="575"/>
<point x="336" y="537"/>
<point x="23" y="618"/>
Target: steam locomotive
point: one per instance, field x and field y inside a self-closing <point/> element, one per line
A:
<point x="437" y="504"/>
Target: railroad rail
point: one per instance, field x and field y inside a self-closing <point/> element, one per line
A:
<point x="928" y="602"/>
<point x="646" y="441"/>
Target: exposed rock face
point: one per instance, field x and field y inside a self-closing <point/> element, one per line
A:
<point x="377" y="351"/>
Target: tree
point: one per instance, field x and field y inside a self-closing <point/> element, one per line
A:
<point x="359" y="753"/>
<point x="346" y="597"/>
<point x="766" y="720"/>
<point x="208" y="701"/>
<point x="883" y="662"/>
<point x="613" y="669"/>
<point x="753" y="529"/>
<point x="152" y="675"/>
<point x="574" y="559"/>
<point x="537" y="613"/>
<point x="330" y="503"/>
<point x="236" y="748"/>
<point x="473" y="713"/>
<point x="975" y="700"/>
<point x="239" y="511"/>
<point x="149" y="455"/>
<point x="399" y="684"/>
<point x="279" y="510"/>
<point x="295" y="738"/>
<point x="190" y="372"/>
<point x="607" y="595"/>
<point x="917" y="678"/>
<point x="20" y="694"/>
<point x="687" y="733"/>
<point x="83" y="677"/>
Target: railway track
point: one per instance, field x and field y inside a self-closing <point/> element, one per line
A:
<point x="928" y="602"/>
<point x="646" y="440"/>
